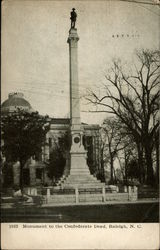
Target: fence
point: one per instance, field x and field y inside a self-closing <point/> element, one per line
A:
<point x="82" y="195"/>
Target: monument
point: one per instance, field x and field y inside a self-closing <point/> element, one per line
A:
<point x="78" y="175"/>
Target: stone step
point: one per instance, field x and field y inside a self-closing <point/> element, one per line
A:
<point x="83" y="185"/>
<point x="77" y="171"/>
<point x="79" y="168"/>
<point x="81" y="181"/>
<point x="81" y="175"/>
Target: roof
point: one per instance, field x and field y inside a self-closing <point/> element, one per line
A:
<point x="15" y="100"/>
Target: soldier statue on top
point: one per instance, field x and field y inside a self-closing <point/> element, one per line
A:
<point x="73" y="18"/>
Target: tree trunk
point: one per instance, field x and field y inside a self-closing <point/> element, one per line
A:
<point x="157" y="159"/>
<point x="123" y="172"/>
<point x="102" y="165"/>
<point x="115" y="177"/>
<point x="111" y="165"/>
<point x="125" y="167"/>
<point x="149" y="163"/>
<point x="140" y="163"/>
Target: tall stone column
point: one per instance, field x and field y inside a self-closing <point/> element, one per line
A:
<point x="76" y="128"/>
<point x="74" y="87"/>
<point x="77" y="153"/>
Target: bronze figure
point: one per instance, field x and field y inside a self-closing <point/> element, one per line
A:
<point x="73" y="18"/>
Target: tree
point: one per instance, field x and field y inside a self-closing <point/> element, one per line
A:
<point x="7" y="175"/>
<point x="23" y="134"/>
<point x="132" y="169"/>
<point x="133" y="98"/>
<point x="127" y="156"/>
<point x="56" y="164"/>
<point x="57" y="159"/>
<point x="117" y="142"/>
<point x="112" y="139"/>
<point x="156" y="143"/>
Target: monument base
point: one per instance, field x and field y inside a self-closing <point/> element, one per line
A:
<point x="79" y="176"/>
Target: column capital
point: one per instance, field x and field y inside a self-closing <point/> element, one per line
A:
<point x="73" y="36"/>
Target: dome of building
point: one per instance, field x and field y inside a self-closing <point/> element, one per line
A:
<point x="15" y="101"/>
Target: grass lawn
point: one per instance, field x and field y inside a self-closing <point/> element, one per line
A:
<point x="140" y="212"/>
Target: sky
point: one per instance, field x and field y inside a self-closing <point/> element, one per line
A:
<point x="35" y="54"/>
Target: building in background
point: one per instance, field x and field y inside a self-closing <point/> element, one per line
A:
<point x="35" y="170"/>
